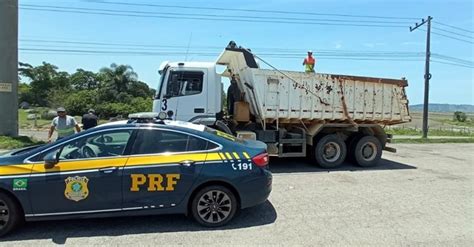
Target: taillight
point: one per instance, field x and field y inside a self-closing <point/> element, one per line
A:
<point x="261" y="160"/>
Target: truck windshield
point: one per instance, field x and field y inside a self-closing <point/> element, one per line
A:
<point x="182" y="83"/>
<point x="160" y="82"/>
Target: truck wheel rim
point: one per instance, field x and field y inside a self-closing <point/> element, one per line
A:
<point x="4" y="214"/>
<point x="214" y="206"/>
<point x="331" y="151"/>
<point x="369" y="151"/>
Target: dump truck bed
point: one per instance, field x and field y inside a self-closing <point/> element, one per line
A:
<point x="288" y="96"/>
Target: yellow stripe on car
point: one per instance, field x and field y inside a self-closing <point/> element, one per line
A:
<point x="246" y="155"/>
<point x="73" y="165"/>
<point x="213" y="156"/>
<point x="228" y="156"/>
<point x="222" y="156"/>
<point x="16" y="169"/>
<point x="79" y="165"/>
<point x="164" y="159"/>
<point x="236" y="155"/>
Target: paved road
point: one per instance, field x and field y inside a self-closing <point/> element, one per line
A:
<point x="423" y="195"/>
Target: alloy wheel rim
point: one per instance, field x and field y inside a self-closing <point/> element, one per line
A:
<point x="4" y="214"/>
<point x="331" y="151"/>
<point x="214" y="206"/>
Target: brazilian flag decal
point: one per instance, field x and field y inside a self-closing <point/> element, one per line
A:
<point x="20" y="184"/>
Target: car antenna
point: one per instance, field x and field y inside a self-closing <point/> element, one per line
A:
<point x="189" y="44"/>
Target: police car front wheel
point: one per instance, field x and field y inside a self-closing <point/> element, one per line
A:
<point x="214" y="206"/>
<point x="10" y="214"/>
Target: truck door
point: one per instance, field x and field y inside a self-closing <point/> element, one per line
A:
<point x="185" y="95"/>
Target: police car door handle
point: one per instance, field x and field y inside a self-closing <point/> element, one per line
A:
<point x="108" y="169"/>
<point x="187" y="162"/>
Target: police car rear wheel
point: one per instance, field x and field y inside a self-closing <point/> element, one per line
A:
<point x="214" y="206"/>
<point x="10" y="214"/>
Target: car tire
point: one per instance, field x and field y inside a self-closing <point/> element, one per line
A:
<point x="10" y="214"/>
<point x="367" y="151"/>
<point x="330" y="151"/>
<point x="214" y="206"/>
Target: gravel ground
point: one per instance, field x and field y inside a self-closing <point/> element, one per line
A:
<point x="422" y="195"/>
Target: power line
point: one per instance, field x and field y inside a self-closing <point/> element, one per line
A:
<point x="279" y="50"/>
<point x="453" y="64"/>
<point x="444" y="30"/>
<point x="454" y="59"/>
<point x="263" y="53"/>
<point x="182" y="17"/>
<point x="454" y="27"/>
<point x="214" y="15"/>
<point x="148" y="53"/>
<point x="448" y="36"/>
<point x="251" y="10"/>
<point x="451" y="37"/>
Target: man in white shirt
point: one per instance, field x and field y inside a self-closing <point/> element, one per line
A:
<point x="63" y="124"/>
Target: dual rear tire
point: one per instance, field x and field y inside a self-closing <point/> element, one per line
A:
<point x="331" y="150"/>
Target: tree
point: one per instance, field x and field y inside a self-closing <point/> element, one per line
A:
<point x="24" y="93"/>
<point x="43" y="80"/>
<point x="78" y="103"/>
<point x="84" y="80"/>
<point x="460" y="116"/>
<point x="116" y="80"/>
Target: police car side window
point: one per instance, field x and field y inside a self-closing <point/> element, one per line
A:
<point x="161" y="141"/>
<point x="103" y="144"/>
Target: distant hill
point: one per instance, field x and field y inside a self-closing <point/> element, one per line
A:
<point x="443" y="108"/>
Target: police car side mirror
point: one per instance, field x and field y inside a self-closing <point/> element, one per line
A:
<point x="50" y="160"/>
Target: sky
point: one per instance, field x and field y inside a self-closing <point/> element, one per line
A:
<point x="70" y="37"/>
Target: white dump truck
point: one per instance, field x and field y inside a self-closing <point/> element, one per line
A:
<point x="325" y="117"/>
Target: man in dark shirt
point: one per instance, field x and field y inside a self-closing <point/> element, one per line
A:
<point x="89" y="120"/>
<point x="233" y="95"/>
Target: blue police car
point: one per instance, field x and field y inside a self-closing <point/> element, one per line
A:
<point x="135" y="168"/>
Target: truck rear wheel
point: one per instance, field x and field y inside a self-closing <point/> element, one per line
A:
<point x="330" y="151"/>
<point x="367" y="151"/>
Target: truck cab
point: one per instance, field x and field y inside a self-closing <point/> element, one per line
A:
<point x="189" y="91"/>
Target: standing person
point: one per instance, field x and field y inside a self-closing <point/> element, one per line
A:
<point x="309" y="62"/>
<point x="63" y="124"/>
<point x="233" y="95"/>
<point x="89" y="120"/>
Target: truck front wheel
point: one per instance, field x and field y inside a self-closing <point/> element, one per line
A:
<point x="367" y="151"/>
<point x="330" y="151"/>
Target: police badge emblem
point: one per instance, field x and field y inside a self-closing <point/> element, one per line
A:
<point x="76" y="188"/>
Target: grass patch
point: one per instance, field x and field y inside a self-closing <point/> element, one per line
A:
<point x="24" y="123"/>
<point x="432" y="132"/>
<point x="7" y="142"/>
<point x="467" y="123"/>
<point x="436" y="140"/>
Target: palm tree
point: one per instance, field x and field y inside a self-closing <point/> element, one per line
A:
<point x="117" y="80"/>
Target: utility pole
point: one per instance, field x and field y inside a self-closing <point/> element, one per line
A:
<point x="9" y="67"/>
<point x="427" y="73"/>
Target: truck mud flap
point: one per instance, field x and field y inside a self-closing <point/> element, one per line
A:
<point x="389" y="149"/>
